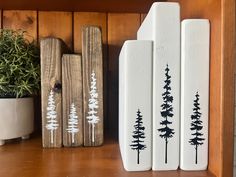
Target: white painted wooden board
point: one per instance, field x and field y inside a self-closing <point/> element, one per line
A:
<point x="135" y="105"/>
<point x="195" y="34"/>
<point x="162" y="25"/>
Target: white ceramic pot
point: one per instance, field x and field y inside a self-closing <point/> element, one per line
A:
<point x="16" y="118"/>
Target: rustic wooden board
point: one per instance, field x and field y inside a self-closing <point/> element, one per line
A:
<point x="56" y="24"/>
<point x="72" y="100"/>
<point x="24" y="20"/>
<point x="92" y="85"/>
<point x="98" y="19"/>
<point x="121" y="27"/>
<point x="51" y="53"/>
<point x="84" y="19"/>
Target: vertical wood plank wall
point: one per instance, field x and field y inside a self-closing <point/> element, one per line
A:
<point x="121" y="27"/>
<point x="116" y="28"/>
<point x="56" y="24"/>
<point x="234" y="170"/>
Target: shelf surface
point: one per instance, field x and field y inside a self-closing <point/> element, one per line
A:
<point x="28" y="158"/>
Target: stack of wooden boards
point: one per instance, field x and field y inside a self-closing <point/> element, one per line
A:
<point x="164" y="93"/>
<point x="72" y="92"/>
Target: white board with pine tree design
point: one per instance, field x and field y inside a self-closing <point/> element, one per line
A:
<point x="135" y="105"/>
<point x="162" y="25"/>
<point x="194" y="94"/>
<point x="51" y="50"/>
<point x="72" y="102"/>
<point x="92" y="85"/>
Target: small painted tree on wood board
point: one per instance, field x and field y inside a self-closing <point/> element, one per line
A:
<point x="73" y="123"/>
<point x="138" y="135"/>
<point x="93" y="105"/>
<point x="52" y="123"/>
<point x="196" y="126"/>
<point x="167" y="112"/>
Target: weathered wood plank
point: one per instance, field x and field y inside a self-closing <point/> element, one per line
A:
<point x="24" y="20"/>
<point x="121" y="27"/>
<point x="92" y="85"/>
<point x="96" y="19"/>
<point x="72" y="100"/>
<point x="84" y="19"/>
<point x="56" y="24"/>
<point x="51" y="53"/>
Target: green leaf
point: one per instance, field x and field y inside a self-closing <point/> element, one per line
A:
<point x="19" y="64"/>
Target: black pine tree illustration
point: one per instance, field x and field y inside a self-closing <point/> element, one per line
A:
<point x="167" y="111"/>
<point x="138" y="135"/>
<point x="196" y="126"/>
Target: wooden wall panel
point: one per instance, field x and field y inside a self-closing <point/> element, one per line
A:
<point x="88" y="18"/>
<point x="121" y="27"/>
<point x="25" y="20"/>
<point x="142" y="17"/>
<point x="56" y="24"/>
<point x="0" y="18"/>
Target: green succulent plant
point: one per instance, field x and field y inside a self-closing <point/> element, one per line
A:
<point x="19" y="65"/>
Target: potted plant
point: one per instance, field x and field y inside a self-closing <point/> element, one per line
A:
<point x="19" y="82"/>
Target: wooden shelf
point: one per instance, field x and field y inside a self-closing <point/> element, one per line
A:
<point x="78" y="5"/>
<point x="28" y="158"/>
<point x="116" y="28"/>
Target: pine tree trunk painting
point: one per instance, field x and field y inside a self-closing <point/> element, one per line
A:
<point x="196" y="126"/>
<point x="93" y="106"/>
<point x="138" y="135"/>
<point x="167" y="112"/>
<point x="52" y="124"/>
<point x="51" y="133"/>
<point x="196" y="155"/>
<point x="93" y="132"/>
<point x="73" y="123"/>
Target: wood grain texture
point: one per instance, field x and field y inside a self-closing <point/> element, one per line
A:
<point x="84" y="19"/>
<point x="227" y="118"/>
<point x="24" y="20"/>
<point x="29" y="159"/>
<point x="0" y="18"/>
<point x="82" y="6"/>
<point x="96" y="19"/>
<point x="92" y="85"/>
<point x="142" y="17"/>
<point x="121" y="27"/>
<point x="72" y="100"/>
<point x="56" y="24"/>
<point x="51" y="79"/>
